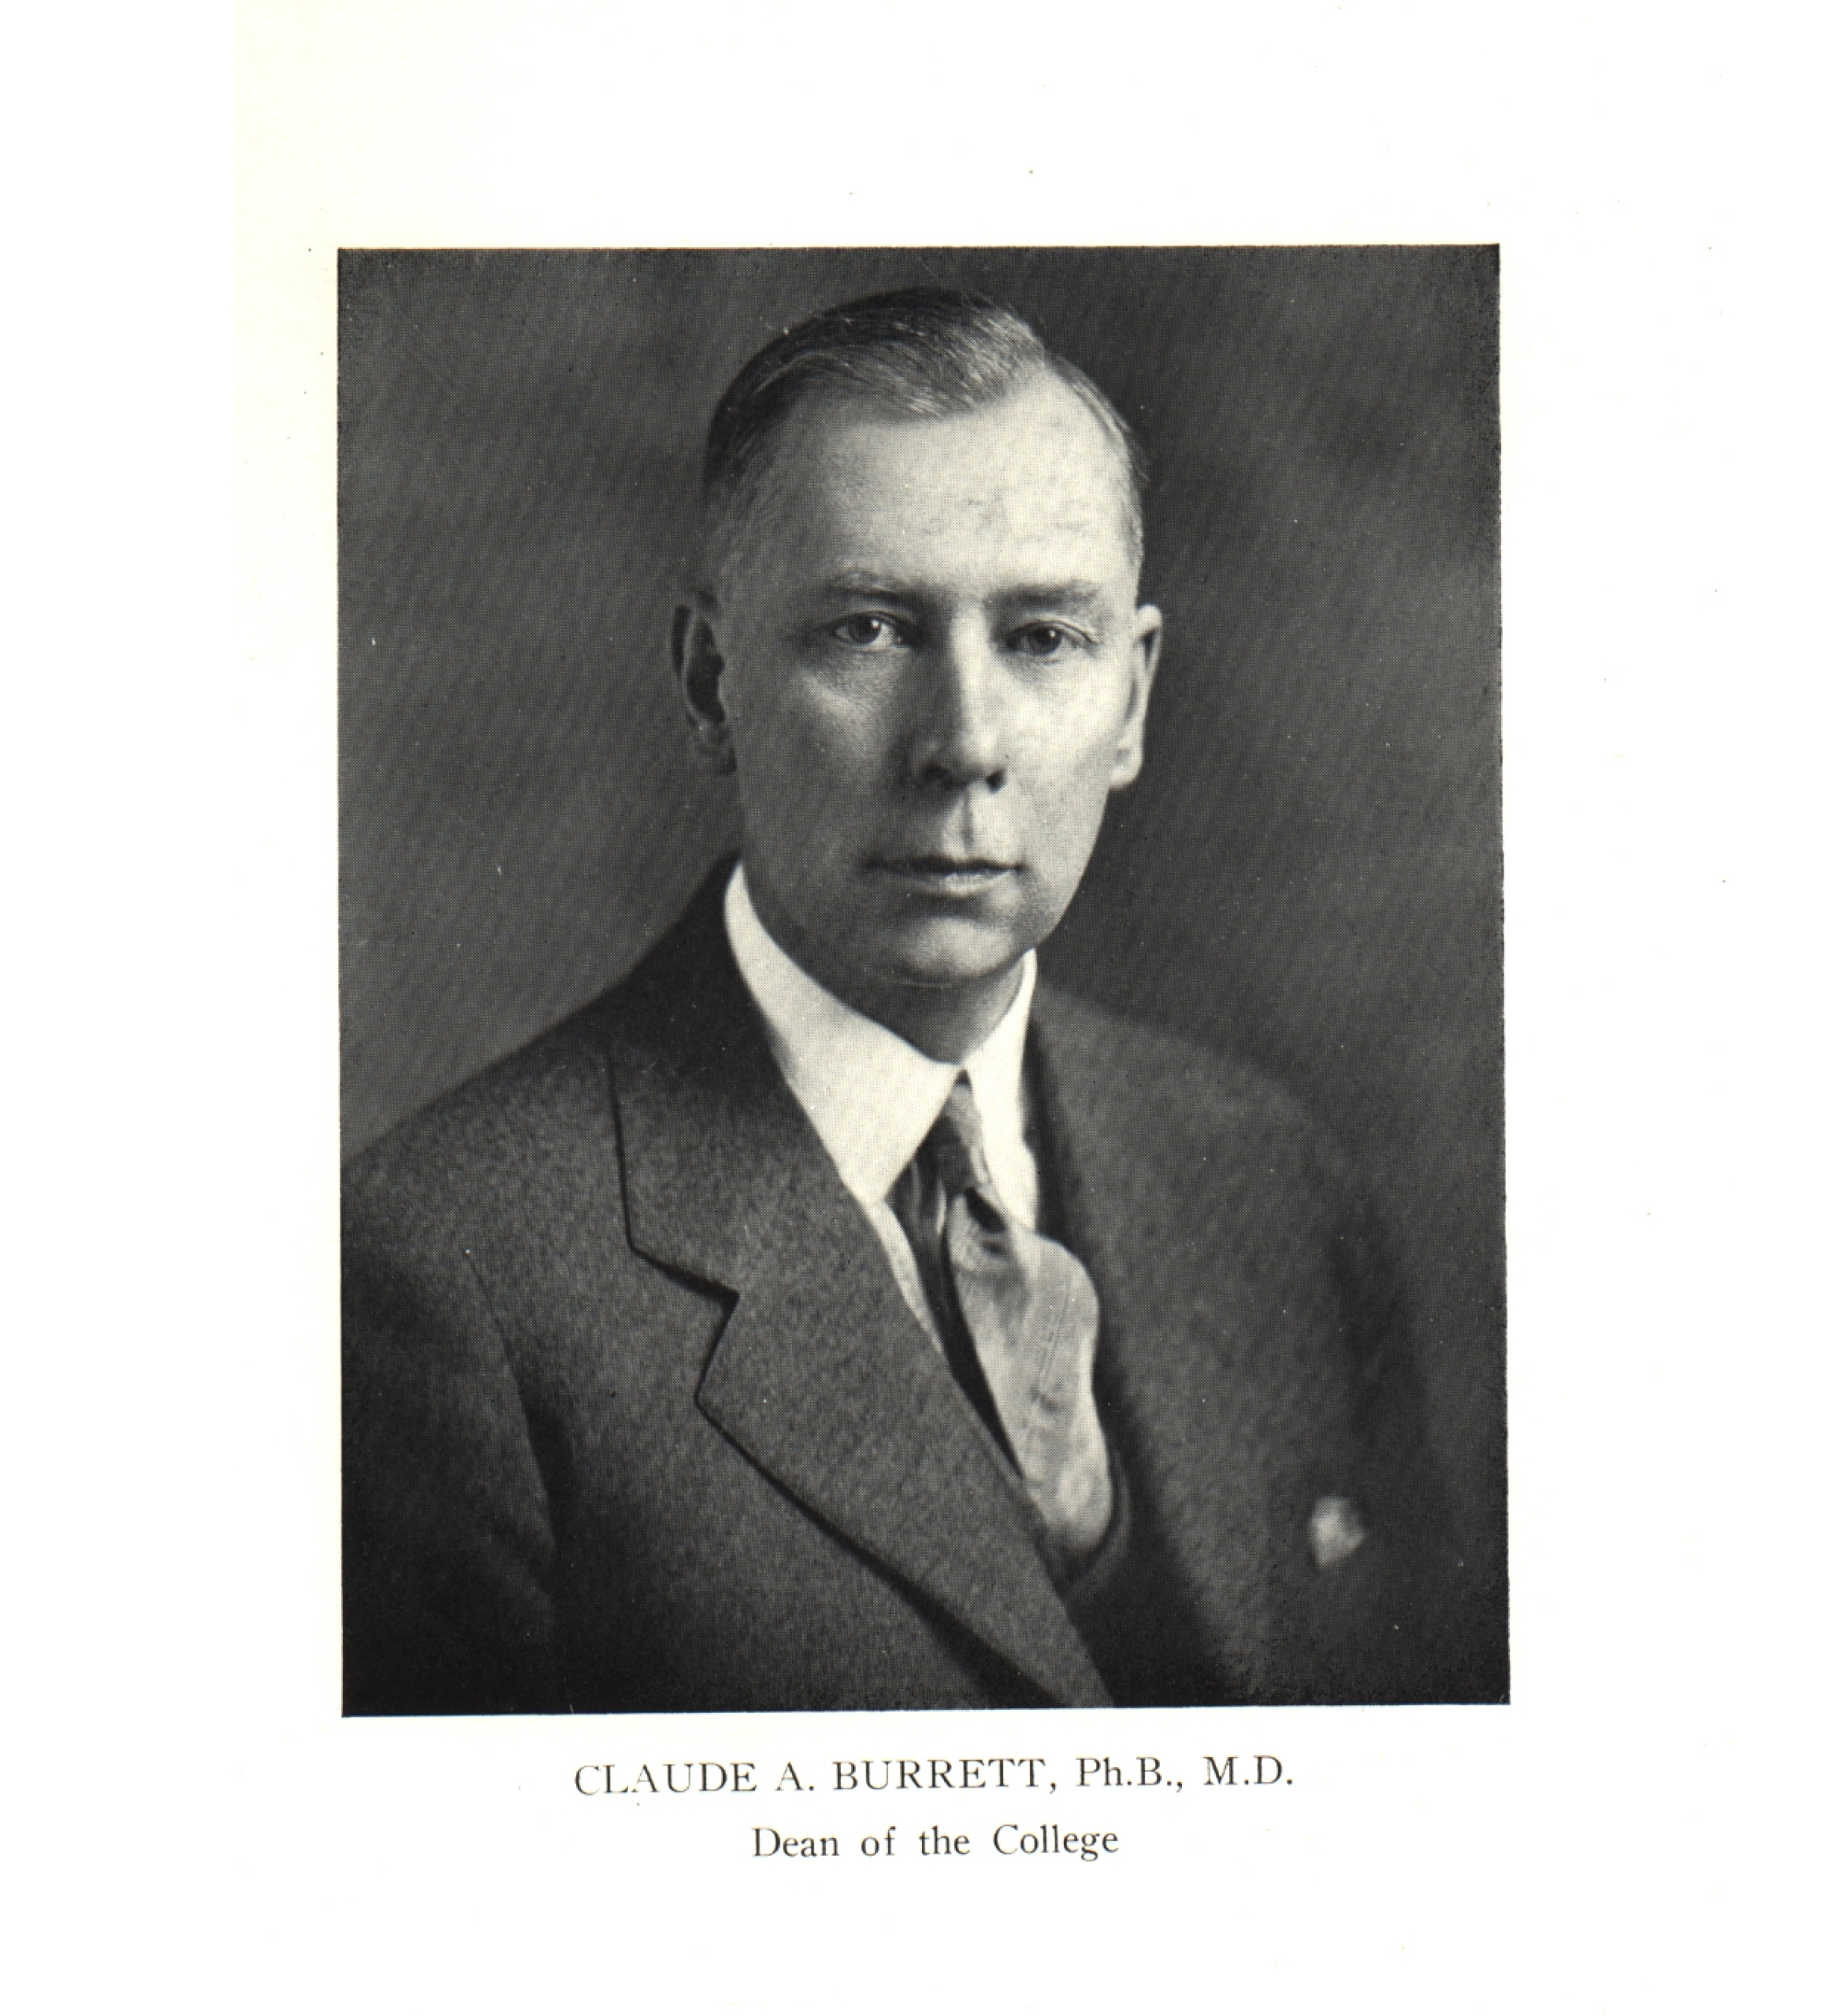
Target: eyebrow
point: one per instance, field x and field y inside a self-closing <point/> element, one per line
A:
<point x="855" y="580"/>
<point x="1059" y="594"/>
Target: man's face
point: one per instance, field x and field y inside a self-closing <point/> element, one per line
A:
<point x="933" y="672"/>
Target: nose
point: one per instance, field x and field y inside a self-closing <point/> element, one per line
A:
<point x="960" y="736"/>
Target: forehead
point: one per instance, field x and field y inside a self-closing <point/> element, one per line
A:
<point x="1030" y="486"/>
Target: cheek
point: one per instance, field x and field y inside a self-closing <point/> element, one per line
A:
<point x="799" y="736"/>
<point x="1070" y="784"/>
<point x="1079" y="736"/>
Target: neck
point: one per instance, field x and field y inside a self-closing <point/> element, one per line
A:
<point x="948" y="1024"/>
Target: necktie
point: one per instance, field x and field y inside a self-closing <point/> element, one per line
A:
<point x="1019" y="1321"/>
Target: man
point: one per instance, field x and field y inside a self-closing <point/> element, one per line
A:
<point x="831" y="1317"/>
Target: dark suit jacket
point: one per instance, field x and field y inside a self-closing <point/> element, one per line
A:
<point x="636" y="1416"/>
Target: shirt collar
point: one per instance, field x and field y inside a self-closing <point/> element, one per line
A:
<point x="871" y="1096"/>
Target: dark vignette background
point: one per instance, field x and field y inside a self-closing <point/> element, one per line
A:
<point x="1307" y="874"/>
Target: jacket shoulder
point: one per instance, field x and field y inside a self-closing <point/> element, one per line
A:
<point x="549" y="1103"/>
<point x="1167" y="1087"/>
<point x="532" y="1107"/>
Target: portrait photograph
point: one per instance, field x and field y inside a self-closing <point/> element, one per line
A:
<point x="921" y="979"/>
<point x="924" y="1045"/>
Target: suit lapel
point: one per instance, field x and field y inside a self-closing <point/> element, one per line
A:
<point x="821" y="1375"/>
<point x="1175" y="1374"/>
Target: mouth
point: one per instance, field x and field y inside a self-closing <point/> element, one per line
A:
<point x="945" y="875"/>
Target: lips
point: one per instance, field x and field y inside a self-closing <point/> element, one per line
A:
<point x="948" y="875"/>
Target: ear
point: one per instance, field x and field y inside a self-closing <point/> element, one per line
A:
<point x="1129" y="750"/>
<point x="699" y="667"/>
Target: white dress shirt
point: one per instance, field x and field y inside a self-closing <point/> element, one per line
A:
<point x="872" y="1097"/>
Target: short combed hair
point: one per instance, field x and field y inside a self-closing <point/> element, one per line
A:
<point x="929" y="352"/>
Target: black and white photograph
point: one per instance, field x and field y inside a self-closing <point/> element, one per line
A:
<point x="921" y="979"/>
<point x="920" y="993"/>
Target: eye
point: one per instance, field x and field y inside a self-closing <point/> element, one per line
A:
<point x="867" y="631"/>
<point x="1043" y="641"/>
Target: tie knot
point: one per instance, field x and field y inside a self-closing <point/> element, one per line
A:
<point x="956" y="1144"/>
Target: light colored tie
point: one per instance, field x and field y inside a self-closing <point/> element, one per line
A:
<point x="1019" y="1322"/>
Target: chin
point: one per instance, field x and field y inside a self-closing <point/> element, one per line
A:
<point x="951" y="951"/>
